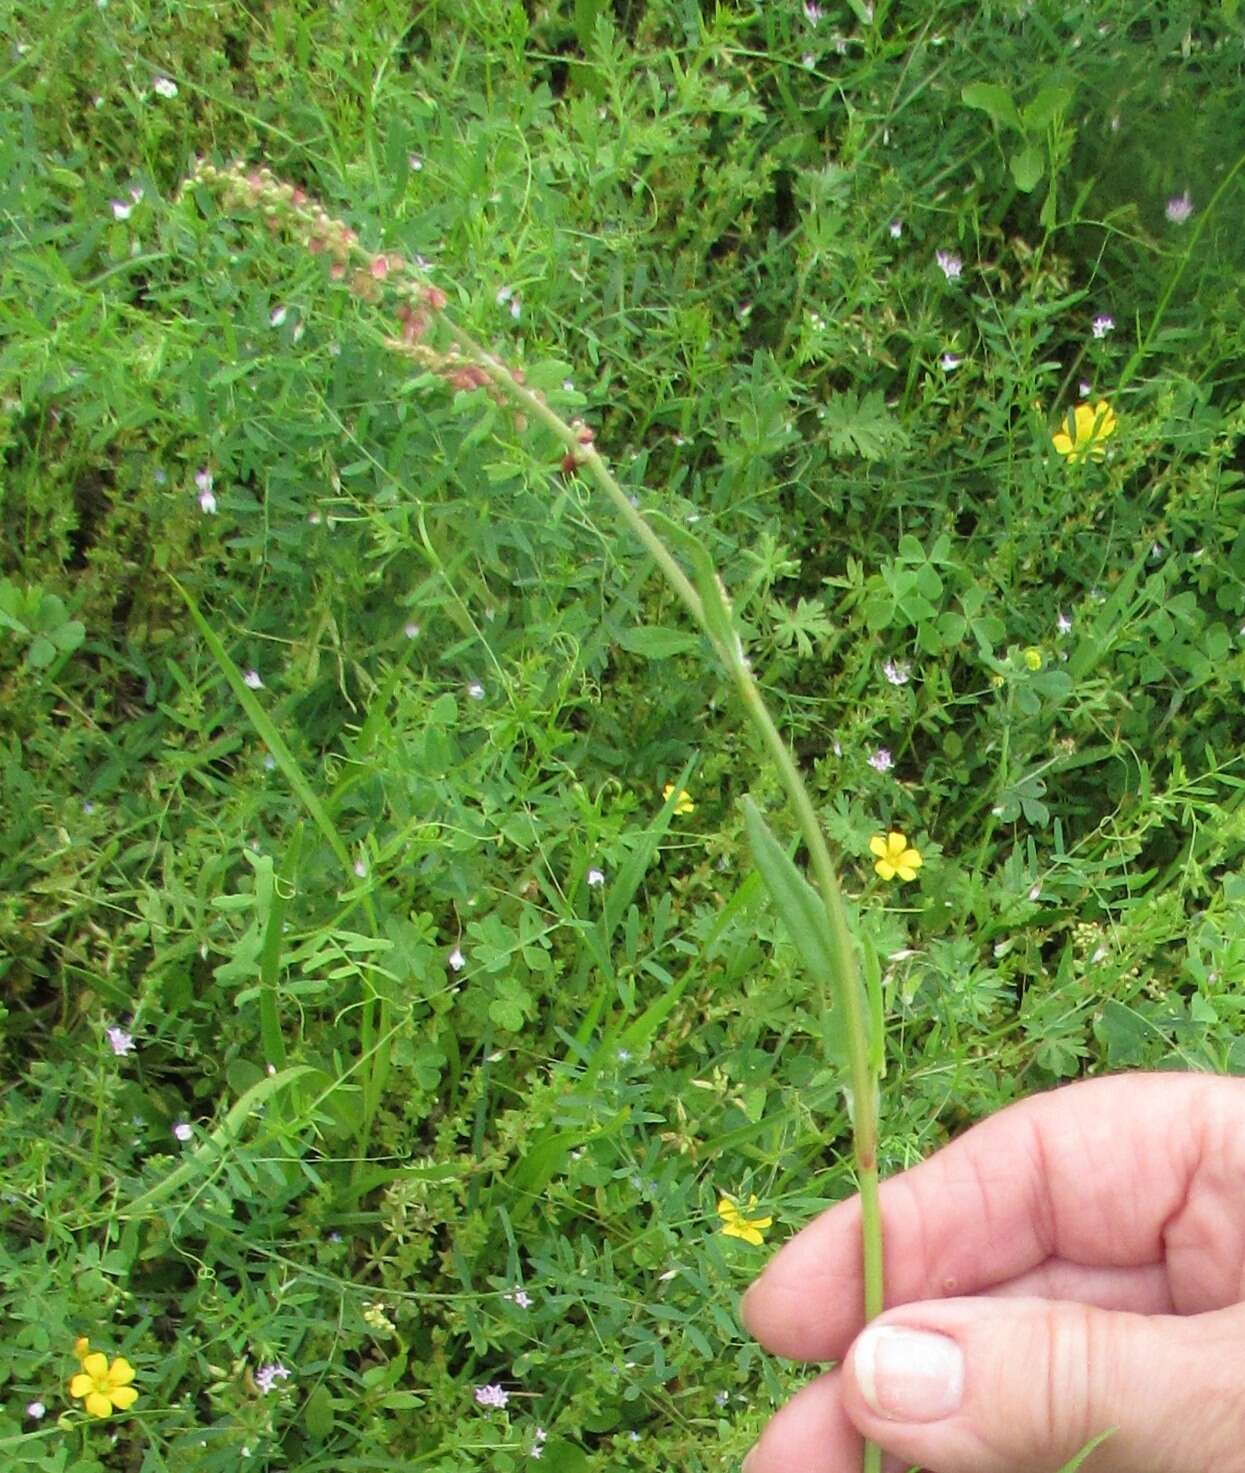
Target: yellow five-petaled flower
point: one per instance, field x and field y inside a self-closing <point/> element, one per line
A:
<point x="103" y="1387"/>
<point x="683" y="803"/>
<point x="1084" y="431"/>
<point x="736" y="1225"/>
<point x="895" y="856"/>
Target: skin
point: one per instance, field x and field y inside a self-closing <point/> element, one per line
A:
<point x="1124" y="1195"/>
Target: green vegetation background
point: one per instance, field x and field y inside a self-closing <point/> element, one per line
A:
<point x="712" y="232"/>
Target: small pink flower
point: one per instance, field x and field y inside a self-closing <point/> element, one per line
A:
<point x="950" y="264"/>
<point x="1179" y="208"/>
<point x="379" y="267"/>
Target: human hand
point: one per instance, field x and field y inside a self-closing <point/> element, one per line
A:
<point x="1093" y="1239"/>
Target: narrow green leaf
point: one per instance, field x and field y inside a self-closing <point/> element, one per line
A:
<point x="804" y="916"/>
<point x="719" y="623"/>
<point x="656" y="643"/>
<point x="1075" y="1462"/>
<point x="268" y="734"/>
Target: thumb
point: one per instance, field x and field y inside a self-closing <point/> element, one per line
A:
<point x="1021" y="1385"/>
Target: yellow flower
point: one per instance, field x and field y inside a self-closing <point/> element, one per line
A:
<point x="684" y="803"/>
<point x="1033" y="657"/>
<point x="104" y="1388"/>
<point x="82" y="1347"/>
<point x="1084" y="431"/>
<point x="895" y="856"/>
<point x="736" y="1225"/>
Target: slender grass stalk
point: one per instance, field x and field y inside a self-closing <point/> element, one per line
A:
<point x="470" y="365"/>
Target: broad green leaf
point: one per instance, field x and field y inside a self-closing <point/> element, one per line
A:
<point x="996" y="101"/>
<point x="318" y="1413"/>
<point x="1046" y="107"/>
<point x="804" y="916"/>
<point x="1027" y="167"/>
<point x="656" y="643"/>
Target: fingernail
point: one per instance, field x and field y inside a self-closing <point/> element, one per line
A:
<point x="750" y="1460"/>
<point x="909" y="1375"/>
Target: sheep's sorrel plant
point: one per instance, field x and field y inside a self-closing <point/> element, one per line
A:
<point x="427" y="336"/>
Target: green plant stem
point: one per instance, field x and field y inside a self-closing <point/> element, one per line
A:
<point x="862" y="1077"/>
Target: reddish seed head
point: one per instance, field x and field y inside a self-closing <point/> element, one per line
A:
<point x="379" y="267"/>
<point x="315" y="244"/>
<point x="569" y="463"/>
<point x="434" y="297"/>
<point x="337" y="271"/>
<point x="463" y="380"/>
<point x="518" y="375"/>
<point x="585" y="435"/>
<point x="299" y="197"/>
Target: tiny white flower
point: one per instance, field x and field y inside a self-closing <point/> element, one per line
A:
<point x="1179" y="208"/>
<point x="881" y="760"/>
<point x="624" y="1055"/>
<point x="596" y="878"/>
<point x="414" y="163"/>
<point x="278" y="315"/>
<point x="948" y="361"/>
<point x="476" y="691"/>
<point x="203" y="478"/>
<point x="207" y="503"/>
<point x="410" y="629"/>
<point x="1035" y="891"/>
<point x="360" y="868"/>
<point x="1084" y="389"/>
<point x="183" y="1130"/>
<point x="836" y="747"/>
<point x="314" y="518"/>
<point x="1102" y="325"/>
<point x="504" y="294"/>
<point x="253" y="680"/>
<point x="1063" y="623"/>
<point x="457" y="960"/>
<point x="270" y="762"/>
<point x="36" y="1410"/>
<point x="165" y="86"/>
<point x="897" y="672"/>
<point x="515" y="309"/>
<point x="809" y="60"/>
<point x="120" y="1041"/>
<point x="896" y="229"/>
<point x="121" y="210"/>
<point x="950" y="264"/>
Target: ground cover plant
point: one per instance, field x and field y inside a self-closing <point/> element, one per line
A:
<point x="407" y="1065"/>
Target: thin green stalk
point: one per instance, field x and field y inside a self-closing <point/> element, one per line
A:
<point x="862" y="1077"/>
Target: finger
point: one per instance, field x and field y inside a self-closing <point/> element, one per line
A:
<point x="812" y="1434"/>
<point x="1137" y="1290"/>
<point x="1021" y="1385"/>
<point x="1095" y="1174"/>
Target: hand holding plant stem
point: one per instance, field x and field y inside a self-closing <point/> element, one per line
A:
<point x="815" y="917"/>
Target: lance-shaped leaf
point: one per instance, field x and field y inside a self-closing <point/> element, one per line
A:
<point x="719" y="624"/>
<point x="804" y="915"/>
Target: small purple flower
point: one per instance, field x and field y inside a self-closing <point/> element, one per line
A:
<point x="207" y="502"/>
<point x="476" y="691"/>
<point x="596" y="878"/>
<point x="36" y="1411"/>
<point x="812" y="12"/>
<point x="950" y="264"/>
<point x="457" y="960"/>
<point x="183" y="1130"/>
<point x="204" y="480"/>
<point x="165" y="86"/>
<point x="520" y="1297"/>
<point x="253" y="680"/>
<point x="121" y="1041"/>
<point x="1102" y="325"/>
<point x="268" y="1376"/>
<point x="1179" y="208"/>
<point x="278" y="315"/>
<point x="896" y="229"/>
<point x="1063" y="623"/>
<point x="492" y="1396"/>
<point x="122" y="209"/>
<point x="881" y="761"/>
<point x="948" y="361"/>
<point x="898" y="672"/>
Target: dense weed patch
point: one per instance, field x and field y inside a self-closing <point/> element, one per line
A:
<point x="372" y="1013"/>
